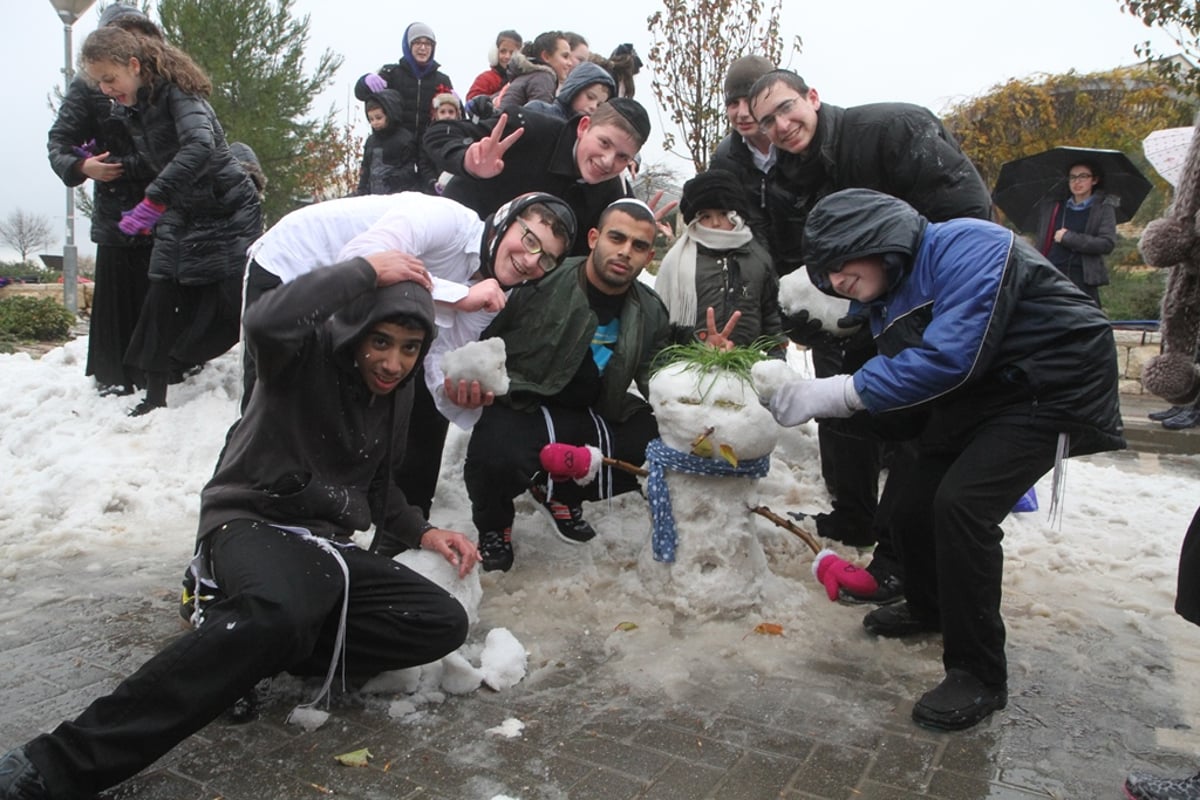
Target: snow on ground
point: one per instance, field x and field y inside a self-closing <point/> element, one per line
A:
<point x="110" y="502"/>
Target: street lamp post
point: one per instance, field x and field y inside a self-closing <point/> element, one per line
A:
<point x="68" y="12"/>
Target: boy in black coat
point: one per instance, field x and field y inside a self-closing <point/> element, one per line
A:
<point x="393" y="159"/>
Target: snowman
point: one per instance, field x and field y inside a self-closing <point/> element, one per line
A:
<point x="704" y="556"/>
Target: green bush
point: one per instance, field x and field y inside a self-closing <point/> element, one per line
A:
<point x="41" y="319"/>
<point x="1134" y="293"/>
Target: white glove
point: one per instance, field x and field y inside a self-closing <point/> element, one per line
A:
<point x="799" y="401"/>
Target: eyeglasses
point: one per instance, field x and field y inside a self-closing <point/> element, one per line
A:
<point x="421" y="43"/>
<point x="533" y="246"/>
<point x="767" y="123"/>
<point x="1080" y="176"/>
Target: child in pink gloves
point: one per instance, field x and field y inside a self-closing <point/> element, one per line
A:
<point x="1005" y="368"/>
<point x="201" y="207"/>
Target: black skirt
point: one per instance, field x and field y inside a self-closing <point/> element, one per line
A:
<point x="183" y="326"/>
<point x="119" y="293"/>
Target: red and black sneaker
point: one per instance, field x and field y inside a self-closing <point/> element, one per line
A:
<point x="568" y="520"/>
<point x="496" y="550"/>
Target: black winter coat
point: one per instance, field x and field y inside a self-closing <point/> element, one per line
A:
<point x="762" y="189"/>
<point x="86" y="113"/>
<point x="212" y="211"/>
<point x="897" y="148"/>
<point x="393" y="158"/>
<point x="416" y="93"/>
<point x="542" y="160"/>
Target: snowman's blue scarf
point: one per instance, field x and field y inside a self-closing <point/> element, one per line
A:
<point x="660" y="457"/>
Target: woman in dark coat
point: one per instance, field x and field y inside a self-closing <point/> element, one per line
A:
<point x="416" y="77"/>
<point x="1077" y="231"/>
<point x="86" y="142"/>
<point x="201" y="207"/>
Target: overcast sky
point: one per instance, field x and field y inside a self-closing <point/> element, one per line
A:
<point x="931" y="52"/>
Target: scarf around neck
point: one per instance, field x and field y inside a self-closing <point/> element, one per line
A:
<point x="676" y="281"/>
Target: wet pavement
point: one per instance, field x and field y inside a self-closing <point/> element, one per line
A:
<point x="827" y="726"/>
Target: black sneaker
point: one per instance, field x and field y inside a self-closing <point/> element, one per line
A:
<point x="496" y="550"/>
<point x="1141" y="786"/>
<point x="890" y="590"/>
<point x="1166" y="413"/>
<point x="568" y="520"/>
<point x="896" y="621"/>
<point x="20" y="779"/>
<point x="959" y="702"/>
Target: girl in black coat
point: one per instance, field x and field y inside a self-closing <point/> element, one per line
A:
<point x="201" y="207"/>
<point x="84" y="142"/>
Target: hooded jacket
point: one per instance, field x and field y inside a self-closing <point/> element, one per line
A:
<point x="973" y="321"/>
<point x="528" y="79"/>
<point x="212" y="206"/>
<point x="314" y="445"/>
<point x="393" y="158"/>
<point x="1097" y="239"/>
<point x="542" y="160"/>
<point x="417" y="86"/>
<point x="584" y="74"/>
<point x="897" y="148"/>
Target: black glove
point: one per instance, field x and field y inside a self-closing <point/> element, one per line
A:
<point x="806" y="331"/>
<point x="481" y="107"/>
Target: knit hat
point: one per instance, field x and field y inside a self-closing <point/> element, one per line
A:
<point x="742" y="74"/>
<point x="715" y="189"/>
<point x="116" y="11"/>
<point x="634" y="114"/>
<point x="1174" y="242"/>
<point x="418" y="30"/>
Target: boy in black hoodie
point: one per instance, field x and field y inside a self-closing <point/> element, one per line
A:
<point x="310" y="463"/>
<point x="393" y="158"/>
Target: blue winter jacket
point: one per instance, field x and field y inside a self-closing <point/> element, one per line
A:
<point x="974" y="322"/>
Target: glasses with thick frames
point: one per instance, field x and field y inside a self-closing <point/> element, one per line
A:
<point x="1080" y="176"/>
<point x="533" y="246"/>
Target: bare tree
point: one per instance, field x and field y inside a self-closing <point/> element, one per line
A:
<point x="24" y="232"/>
<point x="692" y="45"/>
<point x="656" y="176"/>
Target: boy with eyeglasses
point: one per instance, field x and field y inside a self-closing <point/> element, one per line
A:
<point x="579" y="160"/>
<point x="897" y="148"/>
<point x="473" y="265"/>
<point x="575" y="341"/>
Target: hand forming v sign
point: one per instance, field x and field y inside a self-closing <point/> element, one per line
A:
<point x="485" y="158"/>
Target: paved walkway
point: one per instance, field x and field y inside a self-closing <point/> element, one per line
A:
<point x="831" y="725"/>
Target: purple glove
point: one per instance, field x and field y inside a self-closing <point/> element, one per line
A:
<point x="86" y="150"/>
<point x="140" y="220"/>
<point x="834" y="572"/>
<point x="374" y="82"/>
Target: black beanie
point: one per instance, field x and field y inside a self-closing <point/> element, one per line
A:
<point x="634" y="114"/>
<point x="742" y="74"/>
<point x="716" y="189"/>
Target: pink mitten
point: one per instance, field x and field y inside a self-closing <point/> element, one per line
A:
<point x="836" y="572"/>
<point x="568" y="462"/>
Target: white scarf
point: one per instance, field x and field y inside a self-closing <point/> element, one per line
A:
<point x="676" y="281"/>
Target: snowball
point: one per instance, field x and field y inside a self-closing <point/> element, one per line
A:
<point x="503" y="660"/>
<point x="459" y="677"/>
<point x="435" y="567"/>
<point x="797" y="293"/>
<point x="481" y="361"/>
<point x="510" y="729"/>
<point x="307" y="718"/>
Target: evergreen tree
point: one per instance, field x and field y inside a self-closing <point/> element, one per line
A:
<point x="254" y="52"/>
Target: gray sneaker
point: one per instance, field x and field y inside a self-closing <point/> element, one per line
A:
<point x="1141" y="786"/>
<point x="20" y="779"/>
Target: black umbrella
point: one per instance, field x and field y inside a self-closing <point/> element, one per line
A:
<point x="1024" y="182"/>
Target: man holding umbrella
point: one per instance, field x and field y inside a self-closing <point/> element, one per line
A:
<point x="1075" y="224"/>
